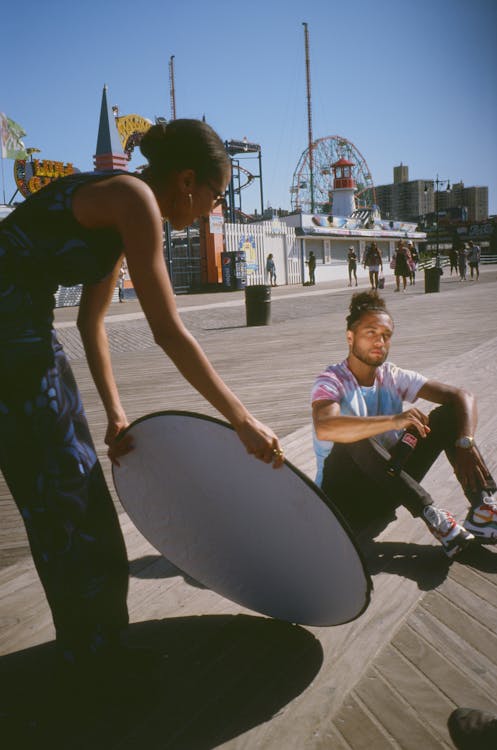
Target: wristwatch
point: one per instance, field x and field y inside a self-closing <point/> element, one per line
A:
<point x="466" y="441"/>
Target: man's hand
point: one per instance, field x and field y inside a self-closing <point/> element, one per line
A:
<point x="412" y="419"/>
<point x="470" y="469"/>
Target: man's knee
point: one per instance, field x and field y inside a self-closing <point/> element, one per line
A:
<point x="443" y="419"/>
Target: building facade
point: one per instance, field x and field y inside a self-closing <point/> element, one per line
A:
<point x="415" y="200"/>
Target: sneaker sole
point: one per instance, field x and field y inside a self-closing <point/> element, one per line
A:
<point x="460" y="544"/>
<point x="481" y="533"/>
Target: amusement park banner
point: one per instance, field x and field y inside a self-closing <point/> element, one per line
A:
<point x="32" y="175"/>
<point x="131" y="129"/>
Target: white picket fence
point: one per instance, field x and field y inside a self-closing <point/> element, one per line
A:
<point x="258" y="240"/>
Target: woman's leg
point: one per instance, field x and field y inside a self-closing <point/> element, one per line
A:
<point x="49" y="462"/>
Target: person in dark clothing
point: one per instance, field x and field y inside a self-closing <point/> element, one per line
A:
<point x="374" y="262"/>
<point x="402" y="266"/>
<point x="453" y="260"/>
<point x="312" y="268"/>
<point x="352" y="263"/>
<point x="78" y="230"/>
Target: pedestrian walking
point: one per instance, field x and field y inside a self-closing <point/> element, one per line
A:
<point x="121" y="282"/>
<point x="352" y="264"/>
<point x="373" y="261"/>
<point x="474" y="257"/>
<point x="402" y="266"/>
<point x="462" y="258"/>
<point x="413" y="265"/>
<point x="453" y="260"/>
<point x="271" y="269"/>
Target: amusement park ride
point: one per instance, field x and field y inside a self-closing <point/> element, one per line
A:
<point x="326" y="152"/>
<point x="312" y="184"/>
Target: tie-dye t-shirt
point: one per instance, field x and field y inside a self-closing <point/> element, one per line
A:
<point x="391" y="388"/>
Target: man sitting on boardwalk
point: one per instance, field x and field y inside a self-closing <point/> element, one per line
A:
<point x="359" y="417"/>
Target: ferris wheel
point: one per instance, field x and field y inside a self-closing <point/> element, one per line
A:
<point x="325" y="152"/>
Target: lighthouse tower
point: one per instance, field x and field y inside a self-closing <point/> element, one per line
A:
<point x="109" y="154"/>
<point x="344" y="187"/>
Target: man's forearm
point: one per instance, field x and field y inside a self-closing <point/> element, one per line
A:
<point x="350" y="429"/>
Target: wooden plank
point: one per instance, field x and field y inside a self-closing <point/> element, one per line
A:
<point x="360" y="728"/>
<point x="480" y="577"/>
<point x="398" y="719"/>
<point x="484" y="608"/>
<point x="475" y="665"/>
<point x="439" y="669"/>
<point x="466" y="626"/>
<point x="422" y="695"/>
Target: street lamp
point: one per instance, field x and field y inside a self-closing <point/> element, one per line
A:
<point x="439" y="183"/>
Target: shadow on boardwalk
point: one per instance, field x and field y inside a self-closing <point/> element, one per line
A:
<point x="199" y="693"/>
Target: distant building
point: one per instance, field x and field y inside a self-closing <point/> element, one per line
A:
<point x="414" y="200"/>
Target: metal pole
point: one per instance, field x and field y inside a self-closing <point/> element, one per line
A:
<point x="172" y="92"/>
<point x="309" y="114"/>
<point x="437" y="182"/>
<point x="260" y="182"/>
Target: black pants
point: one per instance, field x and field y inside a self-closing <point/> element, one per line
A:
<point x="355" y="478"/>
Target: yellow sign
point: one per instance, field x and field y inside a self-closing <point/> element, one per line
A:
<point x="130" y="129"/>
<point x="31" y="176"/>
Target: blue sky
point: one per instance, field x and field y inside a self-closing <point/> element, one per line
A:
<point x="411" y="82"/>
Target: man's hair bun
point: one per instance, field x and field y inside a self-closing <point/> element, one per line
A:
<point x="362" y="303"/>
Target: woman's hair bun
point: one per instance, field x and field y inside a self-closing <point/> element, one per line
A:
<point x="152" y="142"/>
<point x="185" y="144"/>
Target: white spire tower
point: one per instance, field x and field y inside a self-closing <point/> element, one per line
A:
<point x="344" y="187"/>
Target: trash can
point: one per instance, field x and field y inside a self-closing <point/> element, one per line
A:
<point x="432" y="279"/>
<point x="258" y="304"/>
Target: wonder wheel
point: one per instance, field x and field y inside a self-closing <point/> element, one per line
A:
<point x="325" y="152"/>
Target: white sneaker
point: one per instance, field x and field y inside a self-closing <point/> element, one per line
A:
<point x="482" y="521"/>
<point x="444" y="527"/>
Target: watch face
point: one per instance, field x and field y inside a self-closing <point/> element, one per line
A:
<point x="464" y="442"/>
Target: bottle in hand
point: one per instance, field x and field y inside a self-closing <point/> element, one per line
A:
<point x="401" y="452"/>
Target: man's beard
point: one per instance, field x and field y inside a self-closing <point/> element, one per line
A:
<point x="370" y="362"/>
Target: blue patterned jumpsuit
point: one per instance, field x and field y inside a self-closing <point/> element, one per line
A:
<point x="46" y="452"/>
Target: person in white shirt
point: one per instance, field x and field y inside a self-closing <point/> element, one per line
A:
<point x="359" y="418"/>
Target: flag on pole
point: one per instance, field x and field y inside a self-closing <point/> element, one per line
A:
<point x="11" y="145"/>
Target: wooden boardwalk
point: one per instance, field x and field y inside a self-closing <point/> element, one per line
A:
<point x="231" y="678"/>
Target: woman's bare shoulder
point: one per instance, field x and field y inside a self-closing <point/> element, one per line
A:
<point x="99" y="204"/>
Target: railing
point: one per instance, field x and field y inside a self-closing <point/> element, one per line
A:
<point x="443" y="260"/>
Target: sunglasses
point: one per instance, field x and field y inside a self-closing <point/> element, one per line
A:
<point x="219" y="199"/>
